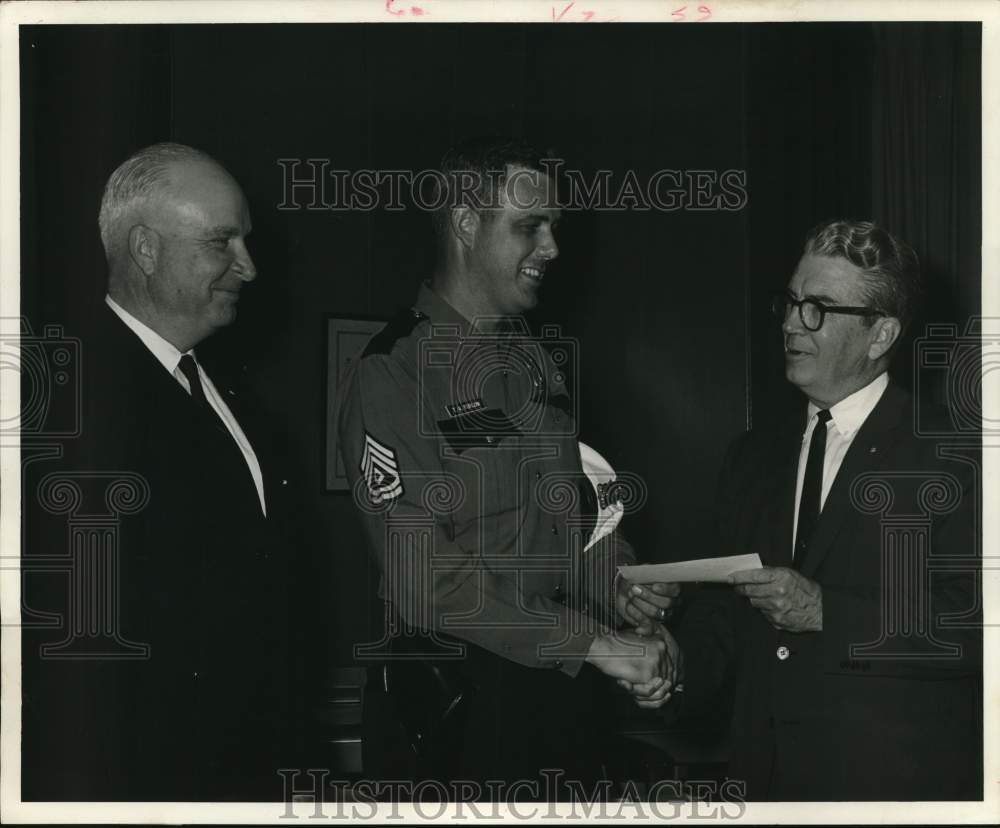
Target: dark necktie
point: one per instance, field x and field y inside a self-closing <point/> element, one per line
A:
<point x="812" y="486"/>
<point x="190" y="371"/>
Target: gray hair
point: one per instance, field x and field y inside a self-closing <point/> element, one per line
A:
<point x="136" y="180"/>
<point x="890" y="266"/>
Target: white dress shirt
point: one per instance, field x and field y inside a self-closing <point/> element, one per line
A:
<point x="169" y="357"/>
<point x="846" y="417"/>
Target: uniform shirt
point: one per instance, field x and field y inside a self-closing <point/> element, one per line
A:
<point x="460" y="444"/>
<point x="169" y="357"/>
<point x="846" y="417"/>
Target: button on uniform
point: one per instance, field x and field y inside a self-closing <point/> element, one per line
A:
<point x="783" y="653"/>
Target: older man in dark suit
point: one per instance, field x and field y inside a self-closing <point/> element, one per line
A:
<point x="178" y="689"/>
<point x="857" y="647"/>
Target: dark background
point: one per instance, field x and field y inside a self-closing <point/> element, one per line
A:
<point x="677" y="351"/>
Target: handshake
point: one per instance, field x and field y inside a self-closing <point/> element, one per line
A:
<point x="648" y="662"/>
<point x="645" y="660"/>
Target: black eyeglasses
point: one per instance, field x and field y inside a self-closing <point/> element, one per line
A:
<point x="811" y="312"/>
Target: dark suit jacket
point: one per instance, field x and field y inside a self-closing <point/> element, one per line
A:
<point x="190" y="570"/>
<point x="815" y="717"/>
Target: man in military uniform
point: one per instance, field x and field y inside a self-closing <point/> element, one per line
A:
<point x="460" y="439"/>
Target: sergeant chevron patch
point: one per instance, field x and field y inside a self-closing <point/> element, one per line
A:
<point x="380" y="470"/>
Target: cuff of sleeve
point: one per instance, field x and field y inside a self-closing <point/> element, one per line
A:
<point x="568" y="655"/>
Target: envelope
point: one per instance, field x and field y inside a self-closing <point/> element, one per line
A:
<point x="700" y="569"/>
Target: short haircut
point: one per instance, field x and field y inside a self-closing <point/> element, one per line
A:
<point x="474" y="172"/>
<point x="890" y="266"/>
<point x="136" y="180"/>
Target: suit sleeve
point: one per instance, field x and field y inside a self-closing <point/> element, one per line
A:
<point x="404" y="495"/>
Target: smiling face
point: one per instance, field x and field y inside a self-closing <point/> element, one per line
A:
<point x="514" y="244"/>
<point x="845" y="354"/>
<point x="201" y="221"/>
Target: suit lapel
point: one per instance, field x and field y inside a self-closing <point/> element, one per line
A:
<point x="787" y="447"/>
<point x="867" y="453"/>
<point x="135" y="366"/>
<point x="139" y="367"/>
<point x="244" y="414"/>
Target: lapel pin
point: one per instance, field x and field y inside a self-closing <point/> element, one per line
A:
<point x="873" y="449"/>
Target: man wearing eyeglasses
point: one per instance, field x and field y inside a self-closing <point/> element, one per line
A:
<point x="855" y="649"/>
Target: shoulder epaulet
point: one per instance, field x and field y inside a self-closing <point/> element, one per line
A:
<point x="401" y="325"/>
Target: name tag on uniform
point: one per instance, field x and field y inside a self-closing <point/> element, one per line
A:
<point x="484" y="427"/>
<point x="458" y="409"/>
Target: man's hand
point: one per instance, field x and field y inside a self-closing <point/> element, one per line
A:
<point x="790" y="601"/>
<point x="643" y="606"/>
<point x="658" y="692"/>
<point x="628" y="656"/>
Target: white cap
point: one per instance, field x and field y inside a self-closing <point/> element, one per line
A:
<point x="600" y="474"/>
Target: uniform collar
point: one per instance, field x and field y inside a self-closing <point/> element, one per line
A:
<point x="439" y="312"/>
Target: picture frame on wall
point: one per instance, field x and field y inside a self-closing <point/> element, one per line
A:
<point x="346" y="338"/>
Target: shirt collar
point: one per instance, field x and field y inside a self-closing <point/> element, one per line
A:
<point x="436" y="308"/>
<point x="850" y="413"/>
<point x="166" y="354"/>
<point x="431" y="305"/>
